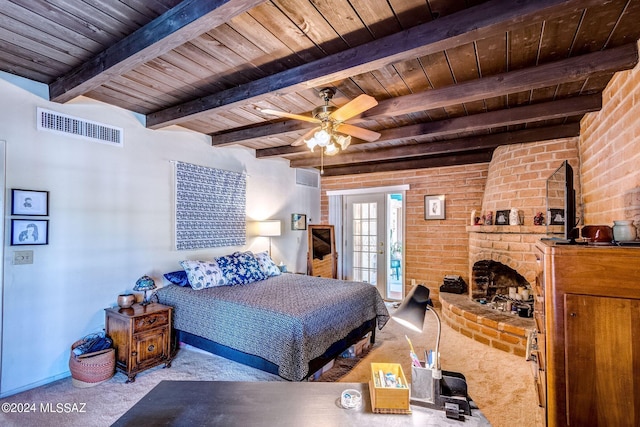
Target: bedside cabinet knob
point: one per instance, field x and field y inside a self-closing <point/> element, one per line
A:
<point x="151" y="348"/>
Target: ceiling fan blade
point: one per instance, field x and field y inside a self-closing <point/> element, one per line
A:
<point x="300" y="141"/>
<point x="354" y="107"/>
<point x="288" y="115"/>
<point x="358" y="132"/>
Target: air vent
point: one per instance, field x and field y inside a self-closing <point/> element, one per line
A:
<point x="80" y="128"/>
<point x="308" y="178"/>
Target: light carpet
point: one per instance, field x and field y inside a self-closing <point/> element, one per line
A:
<point x="500" y="383"/>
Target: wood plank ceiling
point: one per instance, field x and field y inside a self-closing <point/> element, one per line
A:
<point x="453" y="79"/>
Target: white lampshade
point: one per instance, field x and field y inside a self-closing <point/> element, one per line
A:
<point x="269" y="228"/>
<point x="311" y="143"/>
<point x="331" y="149"/>
<point x="322" y="137"/>
<point x="343" y="140"/>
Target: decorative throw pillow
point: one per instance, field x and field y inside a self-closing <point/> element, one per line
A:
<point x="178" y="278"/>
<point x="240" y="268"/>
<point x="269" y="268"/>
<point x="203" y="274"/>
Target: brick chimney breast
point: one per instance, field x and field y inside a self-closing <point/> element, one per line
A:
<point x="517" y="178"/>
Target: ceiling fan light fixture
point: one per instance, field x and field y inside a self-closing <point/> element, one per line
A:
<point x="322" y="138"/>
<point x="331" y="149"/>
<point x="343" y="140"/>
<point x="311" y="143"/>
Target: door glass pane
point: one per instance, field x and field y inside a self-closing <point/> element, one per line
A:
<point x="394" y="282"/>
<point x="365" y="242"/>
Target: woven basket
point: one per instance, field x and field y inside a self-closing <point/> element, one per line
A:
<point x="92" y="370"/>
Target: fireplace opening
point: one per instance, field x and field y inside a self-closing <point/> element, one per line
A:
<point x="501" y="287"/>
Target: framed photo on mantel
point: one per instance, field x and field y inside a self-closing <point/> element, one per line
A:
<point x="502" y="217"/>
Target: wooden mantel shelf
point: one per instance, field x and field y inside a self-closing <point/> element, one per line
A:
<point x="515" y="229"/>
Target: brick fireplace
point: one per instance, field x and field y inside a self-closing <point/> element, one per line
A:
<point x="490" y="279"/>
<point x="516" y="179"/>
<point x="509" y="251"/>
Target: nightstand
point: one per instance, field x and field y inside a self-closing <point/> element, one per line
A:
<point x="141" y="336"/>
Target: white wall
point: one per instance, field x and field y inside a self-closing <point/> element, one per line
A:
<point x="111" y="221"/>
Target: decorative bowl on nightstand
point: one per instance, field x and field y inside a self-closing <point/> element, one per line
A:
<point x="126" y="300"/>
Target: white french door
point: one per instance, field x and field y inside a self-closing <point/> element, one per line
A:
<point x="364" y="240"/>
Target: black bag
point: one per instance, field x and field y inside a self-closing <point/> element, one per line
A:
<point x="92" y="343"/>
<point x="454" y="285"/>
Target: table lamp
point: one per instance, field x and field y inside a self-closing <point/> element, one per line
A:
<point x="430" y="386"/>
<point x="144" y="284"/>
<point x="269" y="228"/>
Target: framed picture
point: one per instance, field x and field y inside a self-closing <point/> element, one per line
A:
<point x="29" y="232"/>
<point x="29" y="202"/>
<point x="434" y="207"/>
<point x="502" y="217"/>
<point x="556" y="216"/>
<point x="298" y="221"/>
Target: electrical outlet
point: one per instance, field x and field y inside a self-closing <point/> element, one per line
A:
<point x="22" y="257"/>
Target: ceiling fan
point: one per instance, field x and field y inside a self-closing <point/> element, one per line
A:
<point x="332" y="130"/>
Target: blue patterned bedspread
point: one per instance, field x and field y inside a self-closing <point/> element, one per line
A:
<point x="288" y="319"/>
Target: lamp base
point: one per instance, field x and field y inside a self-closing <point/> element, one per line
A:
<point x="445" y="392"/>
<point x="146" y="300"/>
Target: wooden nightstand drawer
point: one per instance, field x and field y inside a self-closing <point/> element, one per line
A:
<point x="151" y="321"/>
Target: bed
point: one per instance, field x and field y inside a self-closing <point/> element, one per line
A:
<point x="288" y="324"/>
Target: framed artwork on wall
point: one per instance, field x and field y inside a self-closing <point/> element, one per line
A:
<point x="434" y="207"/>
<point x="29" y="232"/>
<point x="29" y="202"/>
<point x="298" y="221"/>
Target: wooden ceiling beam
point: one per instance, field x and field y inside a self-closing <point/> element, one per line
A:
<point x="487" y="19"/>
<point x="414" y="163"/>
<point x="569" y="107"/>
<point x="184" y="22"/>
<point x="567" y="70"/>
<point x="443" y="147"/>
<point x="260" y="131"/>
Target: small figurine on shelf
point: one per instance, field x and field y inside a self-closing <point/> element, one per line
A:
<point x="475" y="218"/>
<point x="538" y="219"/>
<point x="514" y="217"/>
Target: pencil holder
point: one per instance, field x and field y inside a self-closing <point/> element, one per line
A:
<point x="422" y="383"/>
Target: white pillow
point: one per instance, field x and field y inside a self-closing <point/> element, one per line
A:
<point x="203" y="274"/>
<point x="268" y="267"/>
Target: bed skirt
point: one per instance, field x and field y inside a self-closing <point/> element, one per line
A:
<point x="264" y="365"/>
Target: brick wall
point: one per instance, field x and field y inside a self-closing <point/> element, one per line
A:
<point x="610" y="153"/>
<point x="433" y="248"/>
<point x="606" y="166"/>
<point x="517" y="178"/>
<point x="518" y="174"/>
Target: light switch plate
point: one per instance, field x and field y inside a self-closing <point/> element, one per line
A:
<point x="22" y="257"/>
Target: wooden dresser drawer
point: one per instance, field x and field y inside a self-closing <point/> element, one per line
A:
<point x="151" y="321"/>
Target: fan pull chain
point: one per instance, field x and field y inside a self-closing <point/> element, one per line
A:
<point x="321" y="160"/>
